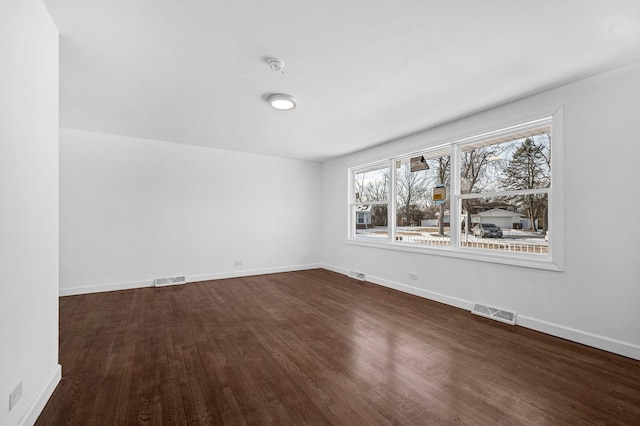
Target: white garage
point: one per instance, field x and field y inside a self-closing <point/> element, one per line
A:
<point x="503" y="218"/>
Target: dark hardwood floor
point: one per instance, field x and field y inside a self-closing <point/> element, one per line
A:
<point x="315" y="347"/>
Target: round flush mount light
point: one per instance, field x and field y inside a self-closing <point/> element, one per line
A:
<point x="281" y="101"/>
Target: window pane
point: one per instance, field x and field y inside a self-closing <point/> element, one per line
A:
<point x="523" y="163"/>
<point x="372" y="185"/>
<point x="515" y="224"/>
<point x="370" y="221"/>
<point x="421" y="217"/>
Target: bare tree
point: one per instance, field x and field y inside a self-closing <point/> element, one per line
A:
<point x="358" y="182"/>
<point x="411" y="190"/>
<point x="378" y="190"/>
<point x="477" y="167"/>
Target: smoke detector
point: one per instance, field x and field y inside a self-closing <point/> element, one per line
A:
<point x="275" y="64"/>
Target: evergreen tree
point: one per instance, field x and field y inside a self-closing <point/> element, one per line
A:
<point x="529" y="169"/>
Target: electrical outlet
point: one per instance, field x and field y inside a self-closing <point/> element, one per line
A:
<point x="413" y="277"/>
<point x="15" y="396"/>
<point x="238" y="263"/>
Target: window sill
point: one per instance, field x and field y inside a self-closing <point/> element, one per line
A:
<point x="513" y="259"/>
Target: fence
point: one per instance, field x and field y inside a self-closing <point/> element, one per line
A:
<point x="513" y="246"/>
<point x="501" y="244"/>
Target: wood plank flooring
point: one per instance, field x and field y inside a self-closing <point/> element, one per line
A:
<point x="315" y="347"/>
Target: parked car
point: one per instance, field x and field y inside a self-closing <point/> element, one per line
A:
<point x="490" y="230"/>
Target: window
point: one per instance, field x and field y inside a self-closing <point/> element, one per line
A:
<point x="487" y="197"/>
<point x="370" y="201"/>
<point x="420" y="219"/>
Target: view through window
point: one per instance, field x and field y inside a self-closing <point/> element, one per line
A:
<point x="488" y="194"/>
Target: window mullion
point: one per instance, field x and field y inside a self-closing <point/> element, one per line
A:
<point x="352" y="204"/>
<point x="454" y="200"/>
<point x="391" y="209"/>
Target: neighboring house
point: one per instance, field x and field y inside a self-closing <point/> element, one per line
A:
<point x="363" y="216"/>
<point x="429" y="222"/>
<point x="503" y="218"/>
<point x="435" y="222"/>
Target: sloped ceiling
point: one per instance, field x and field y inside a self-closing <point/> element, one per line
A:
<point x="364" y="71"/>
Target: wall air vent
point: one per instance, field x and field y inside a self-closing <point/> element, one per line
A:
<point x="357" y="275"/>
<point x="163" y="282"/>
<point x="494" y="313"/>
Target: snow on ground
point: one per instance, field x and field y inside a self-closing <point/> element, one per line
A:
<point x="519" y="235"/>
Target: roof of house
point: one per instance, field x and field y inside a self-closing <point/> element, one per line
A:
<point x="497" y="213"/>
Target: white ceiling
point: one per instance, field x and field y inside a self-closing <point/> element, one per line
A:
<point x="364" y="71"/>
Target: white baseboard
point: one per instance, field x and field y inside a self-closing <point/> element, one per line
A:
<point x="251" y="272"/>
<point x="189" y="278"/>
<point x="626" y="349"/>
<point x="38" y="404"/>
<point x="583" y="337"/>
<point x="100" y="288"/>
<point x="431" y="295"/>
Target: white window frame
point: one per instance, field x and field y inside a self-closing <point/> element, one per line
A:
<point x="553" y="260"/>
<point x="352" y="198"/>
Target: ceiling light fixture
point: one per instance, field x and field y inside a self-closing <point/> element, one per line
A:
<point x="281" y="101"/>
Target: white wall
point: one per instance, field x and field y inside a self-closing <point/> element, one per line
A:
<point x="596" y="299"/>
<point x="132" y="210"/>
<point x="28" y="208"/>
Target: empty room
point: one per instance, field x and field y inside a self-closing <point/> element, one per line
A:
<point x="338" y="212"/>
